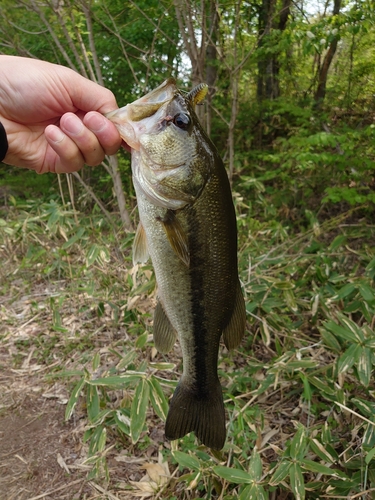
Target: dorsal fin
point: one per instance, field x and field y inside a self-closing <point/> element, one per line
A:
<point x="197" y="95"/>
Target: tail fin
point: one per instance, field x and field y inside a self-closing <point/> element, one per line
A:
<point x="189" y="411"/>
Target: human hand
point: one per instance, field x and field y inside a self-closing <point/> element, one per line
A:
<point x="53" y="117"/>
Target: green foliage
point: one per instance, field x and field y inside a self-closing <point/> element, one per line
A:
<point x="295" y="392"/>
<point x="299" y="391"/>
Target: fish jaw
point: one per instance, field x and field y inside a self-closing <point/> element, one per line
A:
<point x="139" y="117"/>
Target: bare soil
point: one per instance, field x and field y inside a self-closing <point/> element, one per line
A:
<point x="38" y="449"/>
<point x="41" y="455"/>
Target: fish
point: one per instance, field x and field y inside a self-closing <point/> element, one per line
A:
<point x="188" y="228"/>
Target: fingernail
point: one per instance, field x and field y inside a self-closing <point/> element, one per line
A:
<point x="96" y="123"/>
<point x="56" y="135"/>
<point x="73" y="125"/>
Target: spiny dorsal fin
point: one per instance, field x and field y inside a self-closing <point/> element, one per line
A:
<point x="197" y="95"/>
<point x="164" y="333"/>
<point x="176" y="236"/>
<point x="140" y="250"/>
<point x="235" y="329"/>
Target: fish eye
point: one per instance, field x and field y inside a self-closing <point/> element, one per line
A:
<point x="181" y="121"/>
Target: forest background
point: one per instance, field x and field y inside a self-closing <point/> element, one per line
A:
<point x="291" y="108"/>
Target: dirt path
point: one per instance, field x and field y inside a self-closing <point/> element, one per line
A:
<point x="41" y="455"/>
<point x="39" y="451"/>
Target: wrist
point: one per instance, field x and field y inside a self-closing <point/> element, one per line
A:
<point x="3" y="142"/>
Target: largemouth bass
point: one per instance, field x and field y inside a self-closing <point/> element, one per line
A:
<point x="188" y="227"/>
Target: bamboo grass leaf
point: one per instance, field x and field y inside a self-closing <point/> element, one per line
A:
<point x="185" y="460"/>
<point x="138" y="409"/>
<point x="297" y="482"/>
<point x="233" y="475"/>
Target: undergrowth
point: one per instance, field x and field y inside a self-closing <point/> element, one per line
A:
<point x="299" y="392"/>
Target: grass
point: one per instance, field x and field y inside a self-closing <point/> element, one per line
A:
<point x="299" y="391"/>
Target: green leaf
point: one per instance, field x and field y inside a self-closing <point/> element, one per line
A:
<point x="280" y="473"/>
<point x="345" y="291"/>
<point x="158" y="399"/>
<point x="246" y="493"/>
<point x="117" y="380"/>
<point x="185" y="460"/>
<point x="128" y="358"/>
<point x="301" y="364"/>
<point x="366" y="292"/>
<point x="253" y="492"/>
<point x="102" y="440"/>
<point x="297" y="482"/>
<point x="370" y="455"/>
<point x="290" y="299"/>
<point x="350" y="356"/>
<point x="123" y="421"/>
<point x="141" y="340"/>
<point x="97" y="440"/>
<point x="162" y="366"/>
<point x="366" y="407"/>
<point x="74" y="239"/>
<point x="298" y="444"/>
<point x="353" y="327"/>
<point x="370" y="269"/>
<point x="341" y="332"/>
<point x="368" y="440"/>
<point x="307" y="393"/>
<point x="93" y="403"/>
<point x="339" y="241"/>
<point x="322" y="452"/>
<point x="330" y="340"/>
<point x="74" y="398"/>
<point x="312" y="466"/>
<point x="319" y="384"/>
<point x="92" y="254"/>
<point x="233" y="475"/>
<point x="138" y="409"/>
<point x="364" y="366"/>
<point x="284" y="285"/>
<point x="96" y="361"/>
<point x="255" y="466"/>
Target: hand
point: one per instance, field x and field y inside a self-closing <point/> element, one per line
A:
<point x="53" y="116"/>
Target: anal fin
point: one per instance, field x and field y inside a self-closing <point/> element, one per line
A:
<point x="235" y="329"/>
<point x="164" y="333"/>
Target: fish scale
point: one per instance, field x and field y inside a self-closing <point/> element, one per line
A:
<point x="188" y="227"/>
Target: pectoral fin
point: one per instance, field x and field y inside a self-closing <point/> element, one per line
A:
<point x="235" y="329"/>
<point x="164" y="333"/>
<point x="140" y="250"/>
<point x="176" y="236"/>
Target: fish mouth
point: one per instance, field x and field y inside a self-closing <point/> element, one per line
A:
<point x="131" y="120"/>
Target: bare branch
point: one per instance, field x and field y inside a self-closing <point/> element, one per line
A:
<point x="94" y="197"/>
<point x="157" y="26"/>
<point x="98" y="71"/>
<point x="53" y="35"/>
<point x="57" y="9"/>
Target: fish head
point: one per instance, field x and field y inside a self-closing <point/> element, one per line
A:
<point x="169" y="146"/>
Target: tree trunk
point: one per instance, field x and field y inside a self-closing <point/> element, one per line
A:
<point x="268" y="86"/>
<point x="324" y="68"/>
<point x="265" y="64"/>
<point x="211" y="59"/>
<point x="119" y="190"/>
